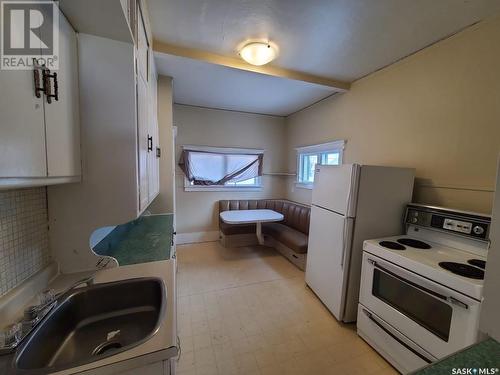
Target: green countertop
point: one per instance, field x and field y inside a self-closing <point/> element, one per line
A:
<point x="481" y="358"/>
<point x="146" y="239"/>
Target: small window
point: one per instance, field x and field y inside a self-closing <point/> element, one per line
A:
<point x="309" y="156"/>
<point x="251" y="182"/>
<point x="220" y="169"/>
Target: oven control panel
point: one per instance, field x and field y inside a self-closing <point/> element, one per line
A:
<point x="457" y="226"/>
<point x="459" y="222"/>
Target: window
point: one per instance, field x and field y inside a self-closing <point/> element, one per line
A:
<point x="309" y="156"/>
<point x="252" y="182"/>
<point x="220" y="169"/>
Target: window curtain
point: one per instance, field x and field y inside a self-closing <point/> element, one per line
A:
<point x="212" y="168"/>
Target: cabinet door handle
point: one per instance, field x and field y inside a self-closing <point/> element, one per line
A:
<point x="36" y="79"/>
<point x="150" y="143"/>
<point x="47" y="76"/>
<point x="158" y="152"/>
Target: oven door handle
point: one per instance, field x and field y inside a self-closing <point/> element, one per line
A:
<point x="458" y="303"/>
<point x="400" y="339"/>
<point x="449" y="299"/>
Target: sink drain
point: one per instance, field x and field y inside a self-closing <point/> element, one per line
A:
<point x="106" y="347"/>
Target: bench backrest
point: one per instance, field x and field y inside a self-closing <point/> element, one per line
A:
<point x="296" y="215"/>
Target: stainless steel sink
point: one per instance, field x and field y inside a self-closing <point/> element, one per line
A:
<point x="92" y="323"/>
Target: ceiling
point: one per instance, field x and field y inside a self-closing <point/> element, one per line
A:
<point x="210" y="85"/>
<point x="337" y="39"/>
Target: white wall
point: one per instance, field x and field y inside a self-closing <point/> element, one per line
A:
<point x="197" y="211"/>
<point x="164" y="202"/>
<point x="107" y="194"/>
<point x="437" y="111"/>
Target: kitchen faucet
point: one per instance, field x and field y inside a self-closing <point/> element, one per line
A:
<point x="33" y="315"/>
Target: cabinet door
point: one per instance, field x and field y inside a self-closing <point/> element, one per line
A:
<point x="153" y="161"/>
<point x="62" y="116"/>
<point x="22" y="129"/>
<point x="142" y="47"/>
<point x="142" y="133"/>
<point x="156" y="368"/>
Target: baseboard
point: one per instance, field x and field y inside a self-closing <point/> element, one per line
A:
<point x="195" y="237"/>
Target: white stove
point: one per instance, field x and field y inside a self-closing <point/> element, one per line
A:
<point x="421" y="292"/>
<point x="425" y="262"/>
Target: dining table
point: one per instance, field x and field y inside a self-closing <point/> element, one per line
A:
<point x="257" y="217"/>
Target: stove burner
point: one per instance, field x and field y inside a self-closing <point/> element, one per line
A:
<point x="478" y="263"/>
<point x="463" y="269"/>
<point x="414" y="243"/>
<point x="392" y="245"/>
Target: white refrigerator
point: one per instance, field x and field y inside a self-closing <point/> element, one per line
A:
<point x="351" y="203"/>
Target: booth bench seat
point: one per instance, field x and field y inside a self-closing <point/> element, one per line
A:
<point x="289" y="237"/>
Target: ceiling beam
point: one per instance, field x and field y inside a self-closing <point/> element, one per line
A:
<point x="236" y="63"/>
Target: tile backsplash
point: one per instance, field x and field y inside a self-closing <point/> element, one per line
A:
<point x="24" y="239"/>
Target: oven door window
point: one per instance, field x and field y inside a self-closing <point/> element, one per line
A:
<point x="430" y="312"/>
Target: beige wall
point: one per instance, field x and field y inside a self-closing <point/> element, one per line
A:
<point x="197" y="211"/>
<point x="437" y="111"/>
<point x="165" y="201"/>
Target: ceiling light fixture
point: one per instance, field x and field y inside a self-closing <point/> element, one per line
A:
<point x="259" y="53"/>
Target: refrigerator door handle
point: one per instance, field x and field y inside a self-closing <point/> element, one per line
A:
<point x="349" y="197"/>
<point x="344" y="237"/>
<point x="353" y="191"/>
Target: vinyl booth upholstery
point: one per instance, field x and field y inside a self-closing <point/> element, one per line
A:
<point x="289" y="237"/>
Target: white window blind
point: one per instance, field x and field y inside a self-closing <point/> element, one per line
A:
<point x="216" y="168"/>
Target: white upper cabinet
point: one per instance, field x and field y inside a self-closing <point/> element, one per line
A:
<point x="22" y="129"/>
<point x="62" y="115"/>
<point x="143" y="115"/>
<point x="147" y="124"/>
<point x="142" y="47"/>
<point x="154" y="151"/>
<point x="144" y="141"/>
<point x="39" y="141"/>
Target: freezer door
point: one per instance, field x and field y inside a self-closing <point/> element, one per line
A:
<point x="327" y="269"/>
<point x="335" y="188"/>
